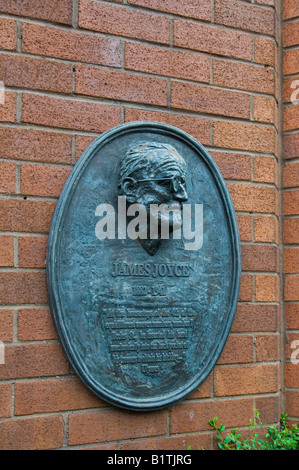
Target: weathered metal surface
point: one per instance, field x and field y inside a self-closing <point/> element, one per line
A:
<point x="143" y="321"/>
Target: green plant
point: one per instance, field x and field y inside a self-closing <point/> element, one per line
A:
<point x="281" y="438"/>
<point x="274" y="438"/>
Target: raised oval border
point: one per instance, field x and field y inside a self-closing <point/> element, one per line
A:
<point x="51" y="263"/>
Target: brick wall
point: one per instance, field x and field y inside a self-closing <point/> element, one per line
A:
<point x="73" y="69"/>
<point x="291" y="201"/>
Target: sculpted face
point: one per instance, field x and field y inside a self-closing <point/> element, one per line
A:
<point x="164" y="190"/>
<point x="155" y="174"/>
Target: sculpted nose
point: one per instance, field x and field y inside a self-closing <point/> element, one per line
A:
<point x="181" y="193"/>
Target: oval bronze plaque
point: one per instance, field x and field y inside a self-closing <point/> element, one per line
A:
<point x="143" y="298"/>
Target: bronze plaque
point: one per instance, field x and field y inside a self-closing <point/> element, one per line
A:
<point x="143" y="265"/>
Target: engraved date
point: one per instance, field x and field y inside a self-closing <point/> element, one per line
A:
<point x="156" y="290"/>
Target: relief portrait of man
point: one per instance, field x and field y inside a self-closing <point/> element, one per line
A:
<point x="153" y="177"/>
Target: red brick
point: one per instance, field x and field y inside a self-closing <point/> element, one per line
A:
<point x="6" y="325"/>
<point x="244" y="224"/>
<point x="8" y="108"/>
<point x="290" y="34"/>
<point x="291" y="145"/>
<point x="292" y="316"/>
<point x="292" y="403"/>
<point x="8" y="34"/>
<point x="193" y="417"/>
<point x="18" y="215"/>
<point x="53" y="395"/>
<point x="32" y="252"/>
<point x="241" y="136"/>
<point x="193" y="125"/>
<point x="243" y="76"/>
<point x="266" y="229"/>
<point x="291" y="61"/>
<point x="290" y="9"/>
<point x="212" y="39"/>
<point x="32" y="145"/>
<point x="269" y="407"/>
<point x="291" y="288"/>
<point x="70" y="114"/>
<point x="264" y="51"/>
<point x="291" y="202"/>
<point x="259" y="258"/>
<point x="267" y="348"/>
<point x="38" y="180"/>
<point x="266" y="288"/>
<point x="59" y="11"/>
<point x="264" y="109"/>
<point x="249" y="198"/>
<point x="199" y="9"/>
<point x="291" y="117"/>
<point x="82" y="143"/>
<point x="5" y="401"/>
<point x="170" y="443"/>
<point x="291" y="175"/>
<point x="38" y="433"/>
<point x="119" y="85"/>
<point x="6" y="250"/>
<point x="113" y="425"/>
<point x="33" y="360"/>
<point x="204" y="390"/>
<point x="264" y="169"/>
<point x="35" y="324"/>
<point x="243" y="16"/>
<point x="291" y="231"/>
<point x="256" y="317"/>
<point x="78" y="46"/>
<point x="291" y="375"/>
<point x="246" y="379"/>
<point x="204" y="99"/>
<point x="186" y="65"/>
<point x="246" y="288"/>
<point x="237" y="349"/>
<point x="233" y="165"/>
<point x="39" y="74"/>
<point x="123" y="21"/>
<point x="7" y="177"/>
<point x="22" y="287"/>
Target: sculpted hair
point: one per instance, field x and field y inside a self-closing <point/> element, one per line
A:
<point x="149" y="160"/>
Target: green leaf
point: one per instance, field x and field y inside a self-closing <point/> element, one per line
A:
<point x="213" y="421"/>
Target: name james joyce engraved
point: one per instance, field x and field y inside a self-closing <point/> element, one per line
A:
<point x="151" y="269"/>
